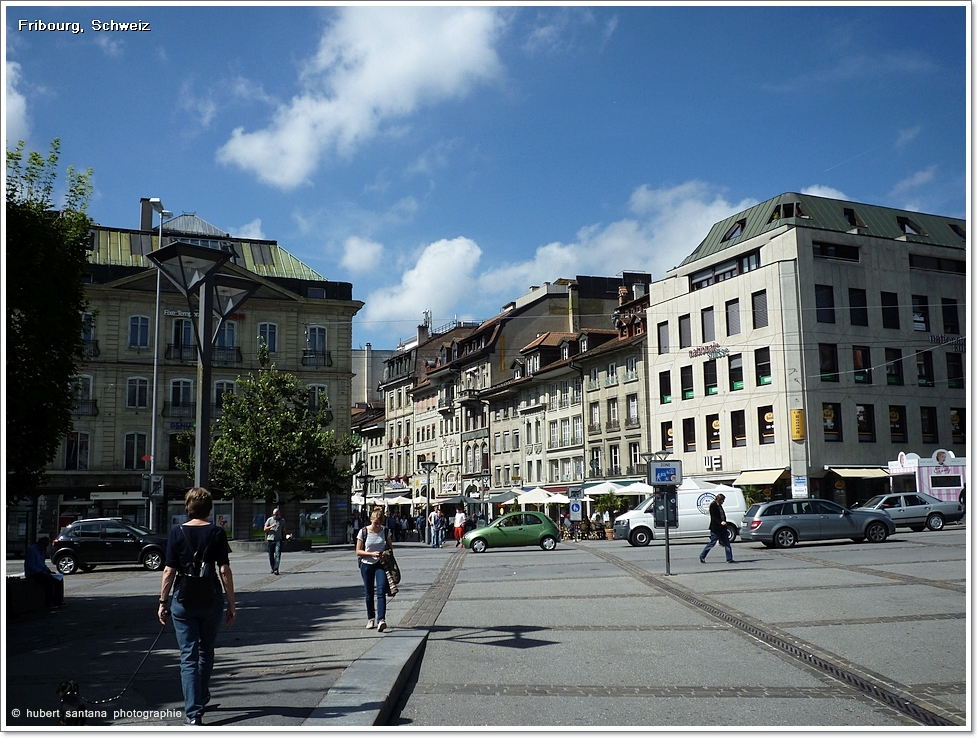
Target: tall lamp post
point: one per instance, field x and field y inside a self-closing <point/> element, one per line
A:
<point x="158" y="207"/>
<point x="428" y="467"/>
<point x="193" y="270"/>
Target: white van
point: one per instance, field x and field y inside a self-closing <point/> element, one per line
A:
<point x="638" y="526"/>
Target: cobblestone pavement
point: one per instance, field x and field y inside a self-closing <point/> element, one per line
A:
<point x="595" y="635"/>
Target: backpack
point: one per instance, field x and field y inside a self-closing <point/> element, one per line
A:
<point x="197" y="584"/>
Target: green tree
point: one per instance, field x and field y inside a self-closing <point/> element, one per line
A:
<point x="46" y="259"/>
<point x="270" y="446"/>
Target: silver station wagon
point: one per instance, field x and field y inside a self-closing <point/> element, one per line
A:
<point x="783" y="523"/>
<point x="916" y="510"/>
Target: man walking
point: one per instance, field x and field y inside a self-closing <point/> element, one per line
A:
<point x="274" y="535"/>
<point x="433" y="526"/>
<point x="459" y="526"/>
<point x="718" y="530"/>
<point x="36" y="569"/>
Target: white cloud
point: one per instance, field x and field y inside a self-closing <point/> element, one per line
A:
<point x="110" y="46"/>
<point x="824" y="191"/>
<point x="441" y="280"/>
<point x="250" y="230"/>
<point x="18" y="125"/>
<point x="247" y="90"/>
<point x="915" y="180"/>
<point x="203" y="108"/>
<point x="374" y="66"/>
<point x="907" y="135"/>
<point x="361" y="255"/>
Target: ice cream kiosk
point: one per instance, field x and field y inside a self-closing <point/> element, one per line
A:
<point x="942" y="475"/>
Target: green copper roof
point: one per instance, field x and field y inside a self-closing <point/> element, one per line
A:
<point x="826" y="214"/>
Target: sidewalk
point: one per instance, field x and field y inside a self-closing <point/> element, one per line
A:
<point x="297" y="635"/>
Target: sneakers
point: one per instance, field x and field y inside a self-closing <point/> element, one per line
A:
<point x="193" y="721"/>
<point x="370" y="624"/>
<point x="381" y="626"/>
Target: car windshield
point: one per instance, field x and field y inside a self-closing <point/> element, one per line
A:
<point x="873" y="501"/>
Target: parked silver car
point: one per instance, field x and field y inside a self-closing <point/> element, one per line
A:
<point x="916" y="511"/>
<point x="785" y="522"/>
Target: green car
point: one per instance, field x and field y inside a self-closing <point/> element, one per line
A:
<point x="514" y="529"/>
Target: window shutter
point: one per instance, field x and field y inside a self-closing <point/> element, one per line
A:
<point x="759" y="304"/>
<point x="733" y="317"/>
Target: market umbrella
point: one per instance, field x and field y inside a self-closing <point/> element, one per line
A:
<point x="536" y="496"/>
<point x="399" y="500"/>
<point x="356" y="500"/>
<point x="635" y="488"/>
<point x="603" y="488"/>
<point x="559" y="499"/>
<point x="503" y="498"/>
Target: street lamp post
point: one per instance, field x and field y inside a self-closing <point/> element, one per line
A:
<point x="193" y="270"/>
<point x="428" y="467"/>
<point x="158" y="207"/>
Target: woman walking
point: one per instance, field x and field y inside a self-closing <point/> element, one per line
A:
<point x="196" y="624"/>
<point x="372" y="542"/>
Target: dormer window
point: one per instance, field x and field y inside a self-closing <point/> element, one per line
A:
<point x="565" y="351"/>
<point x="959" y="231"/>
<point x="909" y="227"/>
<point x="583" y="343"/>
<point x="737" y="229"/>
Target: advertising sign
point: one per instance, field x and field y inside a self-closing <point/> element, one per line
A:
<point x="666" y="472"/>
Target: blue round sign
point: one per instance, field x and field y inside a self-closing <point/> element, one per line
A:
<point x="575" y="506"/>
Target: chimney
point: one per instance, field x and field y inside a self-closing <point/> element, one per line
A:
<point x="622" y="295"/>
<point x="145" y="214"/>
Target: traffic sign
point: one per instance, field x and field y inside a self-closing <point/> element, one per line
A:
<point x="575" y="511"/>
<point x="666" y="472"/>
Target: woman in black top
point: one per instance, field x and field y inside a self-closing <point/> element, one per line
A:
<point x="196" y="626"/>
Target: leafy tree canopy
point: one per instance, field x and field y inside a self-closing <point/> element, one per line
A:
<point x="271" y="446"/>
<point x="46" y="258"/>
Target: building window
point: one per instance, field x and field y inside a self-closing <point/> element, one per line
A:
<point x="632" y="401"/>
<point x="685" y="332"/>
<point x="898" y="424"/>
<point x="634" y="455"/>
<point x="137" y="392"/>
<point x="952" y="266"/>
<point x="852" y="218"/>
<point x="762" y="366"/>
<point x="928" y="424"/>
<point x="135" y="451"/>
<point x="862" y="365"/>
<point x="834" y="251"/>
<point x="858" y="309"/>
<point x="890" y="303"/>
<point x="316" y="339"/>
<point x="689" y="434"/>
<point x="686" y="382"/>
<point x="712" y="432"/>
<point x="958" y="433"/>
<point x="76" y="451"/>
<point x="710" y="376"/>
<point x="706" y="323"/>
<point x="614" y="460"/>
<point x="226" y="335"/>
<point x="758" y="303"/>
<point x="738" y="428"/>
<point x="949" y="309"/>
<point x="909" y="227"/>
<point x="182" y="395"/>
<point x="921" y="313"/>
<point x="828" y="362"/>
<point x="732" y="308"/>
<point x="925" y="369"/>
<point x="765" y="424"/>
<point x="183" y="333"/>
<point x="737" y="229"/>
<point x="666" y="432"/>
<point x="138" y="331"/>
<point x="832" y="422"/>
<point x="894" y="366"/>
<point x="613" y="411"/>
<point x="824" y="303"/>
<point x="222" y="387"/>
<point x="735" y="368"/>
<point x="663" y="332"/>
<point x="866" y="423"/>
<point x="268" y="332"/>
<point x="595" y="414"/>
<point x="179" y="452"/>
<point x="595" y="462"/>
<point x="955" y="370"/>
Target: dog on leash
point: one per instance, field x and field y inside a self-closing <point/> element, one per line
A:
<point x="72" y="710"/>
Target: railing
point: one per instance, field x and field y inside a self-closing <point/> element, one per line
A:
<point x="85" y="407"/>
<point x="180" y="352"/>
<point x="564" y="402"/>
<point x="90" y="348"/>
<point x="316" y="357"/>
<point x="226" y="355"/>
<point x="593" y="428"/>
<point x="181" y="410"/>
<point x="631" y="376"/>
<point x="612" y="425"/>
<point x="614" y="471"/>
<point x="593" y="384"/>
<point x="611" y="381"/>
<point x="632" y="423"/>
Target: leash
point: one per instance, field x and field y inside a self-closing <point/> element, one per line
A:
<point x="113" y="699"/>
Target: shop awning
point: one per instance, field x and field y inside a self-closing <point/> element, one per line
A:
<point x="761" y="476"/>
<point x="849" y="473"/>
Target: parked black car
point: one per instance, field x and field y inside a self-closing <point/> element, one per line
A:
<point x="85" y="543"/>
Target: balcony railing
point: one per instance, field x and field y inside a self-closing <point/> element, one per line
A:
<point x="631" y="376"/>
<point x="226" y="355"/>
<point x="316" y="357"/>
<point x="611" y="381"/>
<point x="180" y="410"/>
<point x="85" y="407"/>
<point x="632" y="423"/>
<point x="180" y="352"/>
<point x="593" y="428"/>
<point x="90" y="348"/>
<point x="612" y="425"/>
<point x="593" y="384"/>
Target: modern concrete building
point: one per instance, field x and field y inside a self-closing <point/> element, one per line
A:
<point x="304" y="319"/>
<point x="368" y="372"/>
<point x="806" y="341"/>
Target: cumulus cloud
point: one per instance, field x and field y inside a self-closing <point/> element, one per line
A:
<point x="16" y="106"/>
<point x="374" y="66"/>
<point x="442" y="280"/>
<point x="913" y="181"/>
<point x="361" y="255"/>
<point x="824" y="191"/>
<point x="250" y="230"/>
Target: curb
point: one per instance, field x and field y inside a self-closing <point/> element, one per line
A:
<point x="368" y="689"/>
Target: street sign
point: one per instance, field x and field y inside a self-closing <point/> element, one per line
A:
<point x="575" y="493"/>
<point x="575" y="511"/>
<point x="666" y="472"/>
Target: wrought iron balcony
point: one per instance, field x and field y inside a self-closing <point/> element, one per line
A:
<point x="612" y="425"/>
<point x="179" y="410"/>
<point x="632" y="423"/>
<point x="85" y="407"/>
<point x="226" y="355"/>
<point x="90" y="348"/>
<point x="181" y="352"/>
<point x="316" y="357"/>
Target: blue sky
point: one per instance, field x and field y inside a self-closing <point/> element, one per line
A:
<point x="447" y="158"/>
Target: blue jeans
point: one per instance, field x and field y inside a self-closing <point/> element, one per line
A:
<point x="196" y="629"/>
<point x="274" y="554"/>
<point x="374" y="583"/>
<point x="724" y="538"/>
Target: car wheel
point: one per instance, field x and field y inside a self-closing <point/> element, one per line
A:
<point x="67" y="564"/>
<point x="548" y="543"/>
<point x="153" y="560"/>
<point x="785" y="538"/>
<point x="935" y="521"/>
<point x="732" y="532"/>
<point x="876" y="533"/>
<point x="640" y="537"/>
<point x="478" y="545"/>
